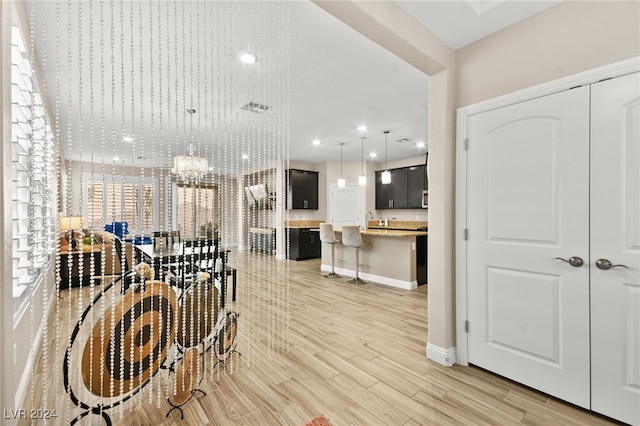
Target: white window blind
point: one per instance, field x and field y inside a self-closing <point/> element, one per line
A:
<point x="117" y="201"/>
<point x="34" y="179"/>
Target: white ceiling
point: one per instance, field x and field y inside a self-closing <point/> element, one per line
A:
<point x="459" y="23"/>
<point x="338" y="79"/>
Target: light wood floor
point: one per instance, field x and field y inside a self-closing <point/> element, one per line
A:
<point x="355" y="354"/>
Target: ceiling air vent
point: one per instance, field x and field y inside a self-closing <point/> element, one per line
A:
<point x="254" y="107"/>
<point x="402" y="140"/>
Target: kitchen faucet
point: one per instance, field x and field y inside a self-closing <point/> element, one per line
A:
<point x="366" y="219"/>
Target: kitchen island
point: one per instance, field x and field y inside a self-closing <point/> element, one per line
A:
<point x="389" y="256"/>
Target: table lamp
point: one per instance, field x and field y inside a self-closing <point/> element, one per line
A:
<point x="70" y="224"/>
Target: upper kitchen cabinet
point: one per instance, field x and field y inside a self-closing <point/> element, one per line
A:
<point x="418" y="186"/>
<point x="407" y="189"/>
<point x="396" y="194"/>
<point x="302" y="189"/>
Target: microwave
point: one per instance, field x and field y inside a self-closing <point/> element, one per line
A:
<point x="425" y="199"/>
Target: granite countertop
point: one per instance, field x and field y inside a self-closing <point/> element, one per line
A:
<point x="389" y="232"/>
<point x="303" y="223"/>
<point x="413" y="225"/>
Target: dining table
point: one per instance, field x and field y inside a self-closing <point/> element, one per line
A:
<point x="178" y="253"/>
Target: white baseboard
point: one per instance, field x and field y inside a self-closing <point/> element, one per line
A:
<point x="391" y="282"/>
<point x="440" y="355"/>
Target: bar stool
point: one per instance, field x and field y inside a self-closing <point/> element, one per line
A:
<point x="327" y="236"/>
<point x="351" y="238"/>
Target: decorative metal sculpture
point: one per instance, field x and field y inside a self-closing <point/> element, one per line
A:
<point x="122" y="345"/>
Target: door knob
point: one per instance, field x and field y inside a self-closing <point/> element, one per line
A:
<point x="574" y="261"/>
<point x="605" y="264"/>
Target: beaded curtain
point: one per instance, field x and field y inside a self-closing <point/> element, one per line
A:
<point x="130" y="86"/>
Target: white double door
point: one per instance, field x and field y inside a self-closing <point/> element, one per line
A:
<point x="553" y="198"/>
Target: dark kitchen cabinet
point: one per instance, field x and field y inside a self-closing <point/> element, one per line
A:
<point x="417" y="185"/>
<point x="302" y="189"/>
<point x="396" y="194"/>
<point x="421" y="259"/>
<point x="383" y="193"/>
<point x="303" y="244"/>
<point x="406" y="190"/>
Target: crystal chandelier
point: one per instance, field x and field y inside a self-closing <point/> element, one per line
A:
<point x="189" y="167"/>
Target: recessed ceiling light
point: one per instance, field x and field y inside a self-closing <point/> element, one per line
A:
<point x="247" y="58"/>
<point x="420" y="144"/>
<point x="373" y="155"/>
<point x="362" y="128"/>
<point x="210" y="169"/>
<point x="116" y="158"/>
<point x="316" y="141"/>
<point x="127" y="139"/>
<point x="245" y="157"/>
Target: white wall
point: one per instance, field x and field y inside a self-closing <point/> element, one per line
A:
<point x="7" y="385"/>
<point x="566" y="39"/>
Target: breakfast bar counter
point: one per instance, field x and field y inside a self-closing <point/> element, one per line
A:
<point x="392" y="257"/>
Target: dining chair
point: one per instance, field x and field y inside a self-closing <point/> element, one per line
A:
<point x="166" y="240"/>
<point x="198" y="257"/>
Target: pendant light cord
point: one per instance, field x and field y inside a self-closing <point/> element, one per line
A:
<point x="386" y="143"/>
<point x="362" y="157"/>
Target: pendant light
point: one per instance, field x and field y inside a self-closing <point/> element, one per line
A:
<point x="362" y="179"/>
<point x="341" y="182"/>
<point x="386" y="175"/>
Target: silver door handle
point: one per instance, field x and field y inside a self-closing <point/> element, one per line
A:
<point x="605" y="264"/>
<point x="574" y="261"/>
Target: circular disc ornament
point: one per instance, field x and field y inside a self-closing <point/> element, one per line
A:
<point x="197" y="314"/>
<point x="226" y="342"/>
<point x="187" y="378"/>
<point x="130" y="342"/>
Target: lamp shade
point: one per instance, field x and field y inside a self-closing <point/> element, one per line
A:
<point x="69" y="223"/>
<point x="386" y="177"/>
<point x="342" y="183"/>
<point x="362" y="180"/>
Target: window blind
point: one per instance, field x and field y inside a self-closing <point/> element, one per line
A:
<point x="134" y="203"/>
<point x="33" y="167"/>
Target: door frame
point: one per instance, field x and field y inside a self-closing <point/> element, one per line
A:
<point x="595" y="75"/>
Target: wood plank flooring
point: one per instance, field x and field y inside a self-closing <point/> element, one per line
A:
<point x="313" y="346"/>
